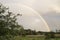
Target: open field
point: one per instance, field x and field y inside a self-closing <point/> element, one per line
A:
<point x="34" y="38"/>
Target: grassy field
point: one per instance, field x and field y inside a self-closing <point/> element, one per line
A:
<point x="29" y="38"/>
<point x="34" y="38"/>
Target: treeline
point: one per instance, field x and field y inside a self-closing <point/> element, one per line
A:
<point x="46" y="34"/>
<point x="34" y="32"/>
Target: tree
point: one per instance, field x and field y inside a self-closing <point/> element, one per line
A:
<point x="8" y="24"/>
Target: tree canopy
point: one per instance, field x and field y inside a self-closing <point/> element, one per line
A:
<point x="8" y="24"/>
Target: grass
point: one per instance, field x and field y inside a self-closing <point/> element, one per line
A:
<point x="28" y="38"/>
<point x="34" y="38"/>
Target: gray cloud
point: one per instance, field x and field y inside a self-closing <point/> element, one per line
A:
<point x="53" y="20"/>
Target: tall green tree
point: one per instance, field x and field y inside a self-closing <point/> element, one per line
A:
<point x="8" y="24"/>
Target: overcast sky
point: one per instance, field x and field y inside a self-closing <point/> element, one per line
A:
<point x="48" y="9"/>
<point x="38" y="5"/>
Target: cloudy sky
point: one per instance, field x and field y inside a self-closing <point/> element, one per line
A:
<point x="49" y="11"/>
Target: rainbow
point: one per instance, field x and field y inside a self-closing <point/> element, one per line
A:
<point x="36" y="13"/>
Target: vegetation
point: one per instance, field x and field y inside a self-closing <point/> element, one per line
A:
<point x="35" y="37"/>
<point x="8" y="25"/>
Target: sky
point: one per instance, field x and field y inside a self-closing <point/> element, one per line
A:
<point x="49" y="10"/>
<point x="38" y="5"/>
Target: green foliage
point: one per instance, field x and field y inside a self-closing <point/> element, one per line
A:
<point x="8" y="24"/>
<point x="30" y="32"/>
